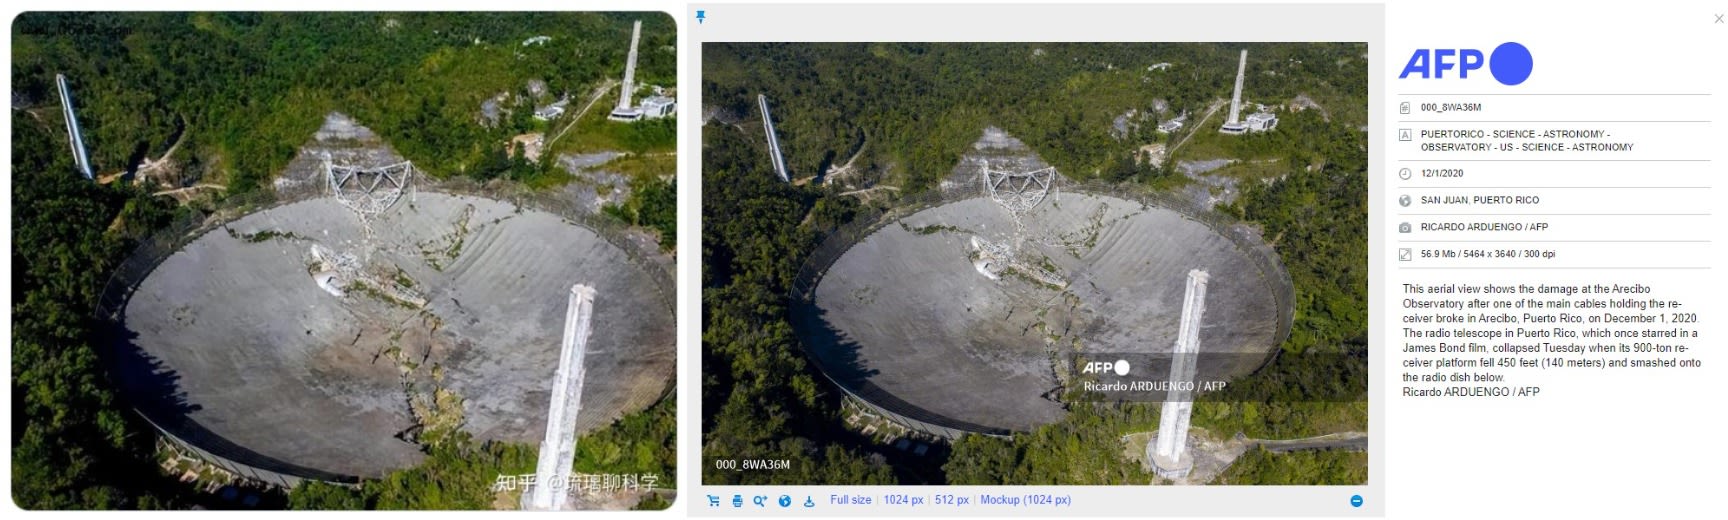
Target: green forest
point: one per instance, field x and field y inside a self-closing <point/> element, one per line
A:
<point x="460" y="475"/>
<point x="75" y="445"/>
<point x="913" y="110"/>
<point x="247" y="89"/>
<point x="763" y="400"/>
<point x="240" y="92"/>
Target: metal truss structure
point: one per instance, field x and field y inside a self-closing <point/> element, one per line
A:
<point x="369" y="191"/>
<point x="1018" y="192"/>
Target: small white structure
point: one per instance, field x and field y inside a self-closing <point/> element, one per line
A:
<point x="1169" y="450"/>
<point x="537" y="40"/>
<point x="552" y="111"/>
<point x="558" y="448"/>
<point x="1172" y="125"/>
<point x="656" y="107"/>
<point x="1260" y="122"/>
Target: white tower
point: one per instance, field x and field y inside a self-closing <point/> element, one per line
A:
<point x="626" y="110"/>
<point x="630" y="70"/>
<point x="1234" y="125"/>
<point x="80" y="156"/>
<point x="558" y="449"/>
<point x="773" y="140"/>
<point x="1169" y="451"/>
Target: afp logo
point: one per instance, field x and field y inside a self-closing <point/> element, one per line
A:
<point x="1120" y="367"/>
<point x="1510" y="63"/>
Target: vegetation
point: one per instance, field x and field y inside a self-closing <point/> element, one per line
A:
<point x="765" y="401"/>
<point x="1298" y="468"/>
<point x="919" y="107"/>
<point x="1084" y="448"/>
<point x="460" y="474"/>
<point x="74" y="444"/>
<point x="653" y="203"/>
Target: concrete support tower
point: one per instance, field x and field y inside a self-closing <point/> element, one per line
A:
<point x="558" y="449"/>
<point x="1234" y="124"/>
<point x="773" y="140"/>
<point x="627" y="110"/>
<point x="624" y="97"/>
<point x="73" y="134"/>
<point x="1169" y="450"/>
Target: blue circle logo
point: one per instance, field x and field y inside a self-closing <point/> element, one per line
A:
<point x="1355" y="500"/>
<point x="1510" y="63"/>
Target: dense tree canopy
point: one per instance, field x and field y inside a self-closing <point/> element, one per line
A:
<point x="919" y="105"/>
<point x="74" y="445"/>
<point x="461" y="474"/>
<point x="247" y="89"/>
<point x="765" y="401"/>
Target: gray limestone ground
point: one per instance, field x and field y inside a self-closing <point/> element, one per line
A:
<point x="246" y="346"/>
<point x="904" y="319"/>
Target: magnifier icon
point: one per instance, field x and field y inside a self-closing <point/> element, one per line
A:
<point x="759" y="500"/>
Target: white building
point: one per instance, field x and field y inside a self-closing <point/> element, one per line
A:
<point x="656" y="107"/>
<point x="1173" y="124"/>
<point x="1260" y="122"/>
<point x="552" y="111"/>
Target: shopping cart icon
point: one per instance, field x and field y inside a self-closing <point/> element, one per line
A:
<point x="713" y="501"/>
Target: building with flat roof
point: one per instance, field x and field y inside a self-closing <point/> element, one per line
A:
<point x="656" y="107"/>
<point x="1260" y="122"/>
<point x="552" y="111"/>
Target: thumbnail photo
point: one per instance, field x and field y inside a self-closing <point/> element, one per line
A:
<point x="343" y="260"/>
<point x="1034" y="263"/>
